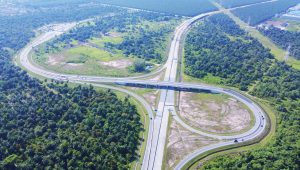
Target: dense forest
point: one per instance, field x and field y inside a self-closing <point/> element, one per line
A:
<point x="140" y="40"/>
<point x="178" y="7"/>
<point x="247" y="14"/>
<point x="218" y="46"/>
<point x="52" y="126"/>
<point x="42" y="15"/>
<point x="236" y="3"/>
<point x="209" y="49"/>
<point x="149" y="44"/>
<point x="284" y="39"/>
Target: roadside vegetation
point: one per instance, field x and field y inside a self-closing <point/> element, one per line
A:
<point x="66" y="124"/>
<point x="248" y="15"/>
<point x="209" y="50"/>
<point x="40" y="14"/>
<point x="277" y="52"/>
<point x="125" y="44"/>
<point x="271" y="80"/>
<point x="50" y="125"/>
<point x="284" y="39"/>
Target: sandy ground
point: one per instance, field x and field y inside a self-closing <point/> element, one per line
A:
<point x="55" y="60"/>
<point x="114" y="34"/>
<point x="59" y="60"/>
<point x="157" y="77"/>
<point x="219" y="116"/>
<point x="182" y="142"/>
<point x="74" y="64"/>
<point x="151" y="98"/>
<point x="119" y="64"/>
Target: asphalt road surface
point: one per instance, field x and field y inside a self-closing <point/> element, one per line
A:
<point x="154" y="153"/>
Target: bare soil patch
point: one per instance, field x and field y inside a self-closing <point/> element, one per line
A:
<point x="120" y="64"/>
<point x="55" y="60"/>
<point x="114" y="34"/>
<point x="151" y="98"/>
<point x="74" y="64"/>
<point x="214" y="112"/>
<point x="182" y="142"/>
<point x="158" y="77"/>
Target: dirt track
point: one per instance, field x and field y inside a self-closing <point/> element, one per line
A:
<point x="214" y="113"/>
<point x="182" y="142"/>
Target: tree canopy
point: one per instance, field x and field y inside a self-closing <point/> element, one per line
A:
<point x="218" y="46"/>
<point x="48" y="125"/>
<point x="284" y="39"/>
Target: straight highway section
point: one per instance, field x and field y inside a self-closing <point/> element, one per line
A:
<point x="154" y="153"/>
<point x="167" y="98"/>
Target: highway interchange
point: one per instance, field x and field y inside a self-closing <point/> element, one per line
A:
<point x="154" y="153"/>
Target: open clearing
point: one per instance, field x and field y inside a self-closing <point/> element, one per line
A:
<point x="87" y="61"/>
<point x="90" y="58"/>
<point x="95" y="57"/>
<point x="150" y="95"/>
<point x="182" y="142"/>
<point x="119" y="64"/>
<point x="216" y="113"/>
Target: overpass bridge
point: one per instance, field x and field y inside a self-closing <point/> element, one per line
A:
<point x="174" y="87"/>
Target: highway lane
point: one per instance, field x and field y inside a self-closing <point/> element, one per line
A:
<point x="145" y="104"/>
<point x="158" y="129"/>
<point x="167" y="98"/>
<point x="153" y="156"/>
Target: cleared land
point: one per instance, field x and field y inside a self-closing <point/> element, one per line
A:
<point x="100" y="56"/>
<point x="150" y="95"/>
<point x="90" y="58"/>
<point x="182" y="142"/>
<point x="293" y="25"/>
<point x="179" y="7"/>
<point x="214" y="113"/>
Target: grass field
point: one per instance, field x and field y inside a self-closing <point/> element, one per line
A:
<point x="208" y="79"/>
<point x="90" y="58"/>
<point x="105" y="39"/>
<point x="293" y="25"/>
<point x="93" y="53"/>
<point x="179" y="7"/>
<point x="96" y="57"/>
